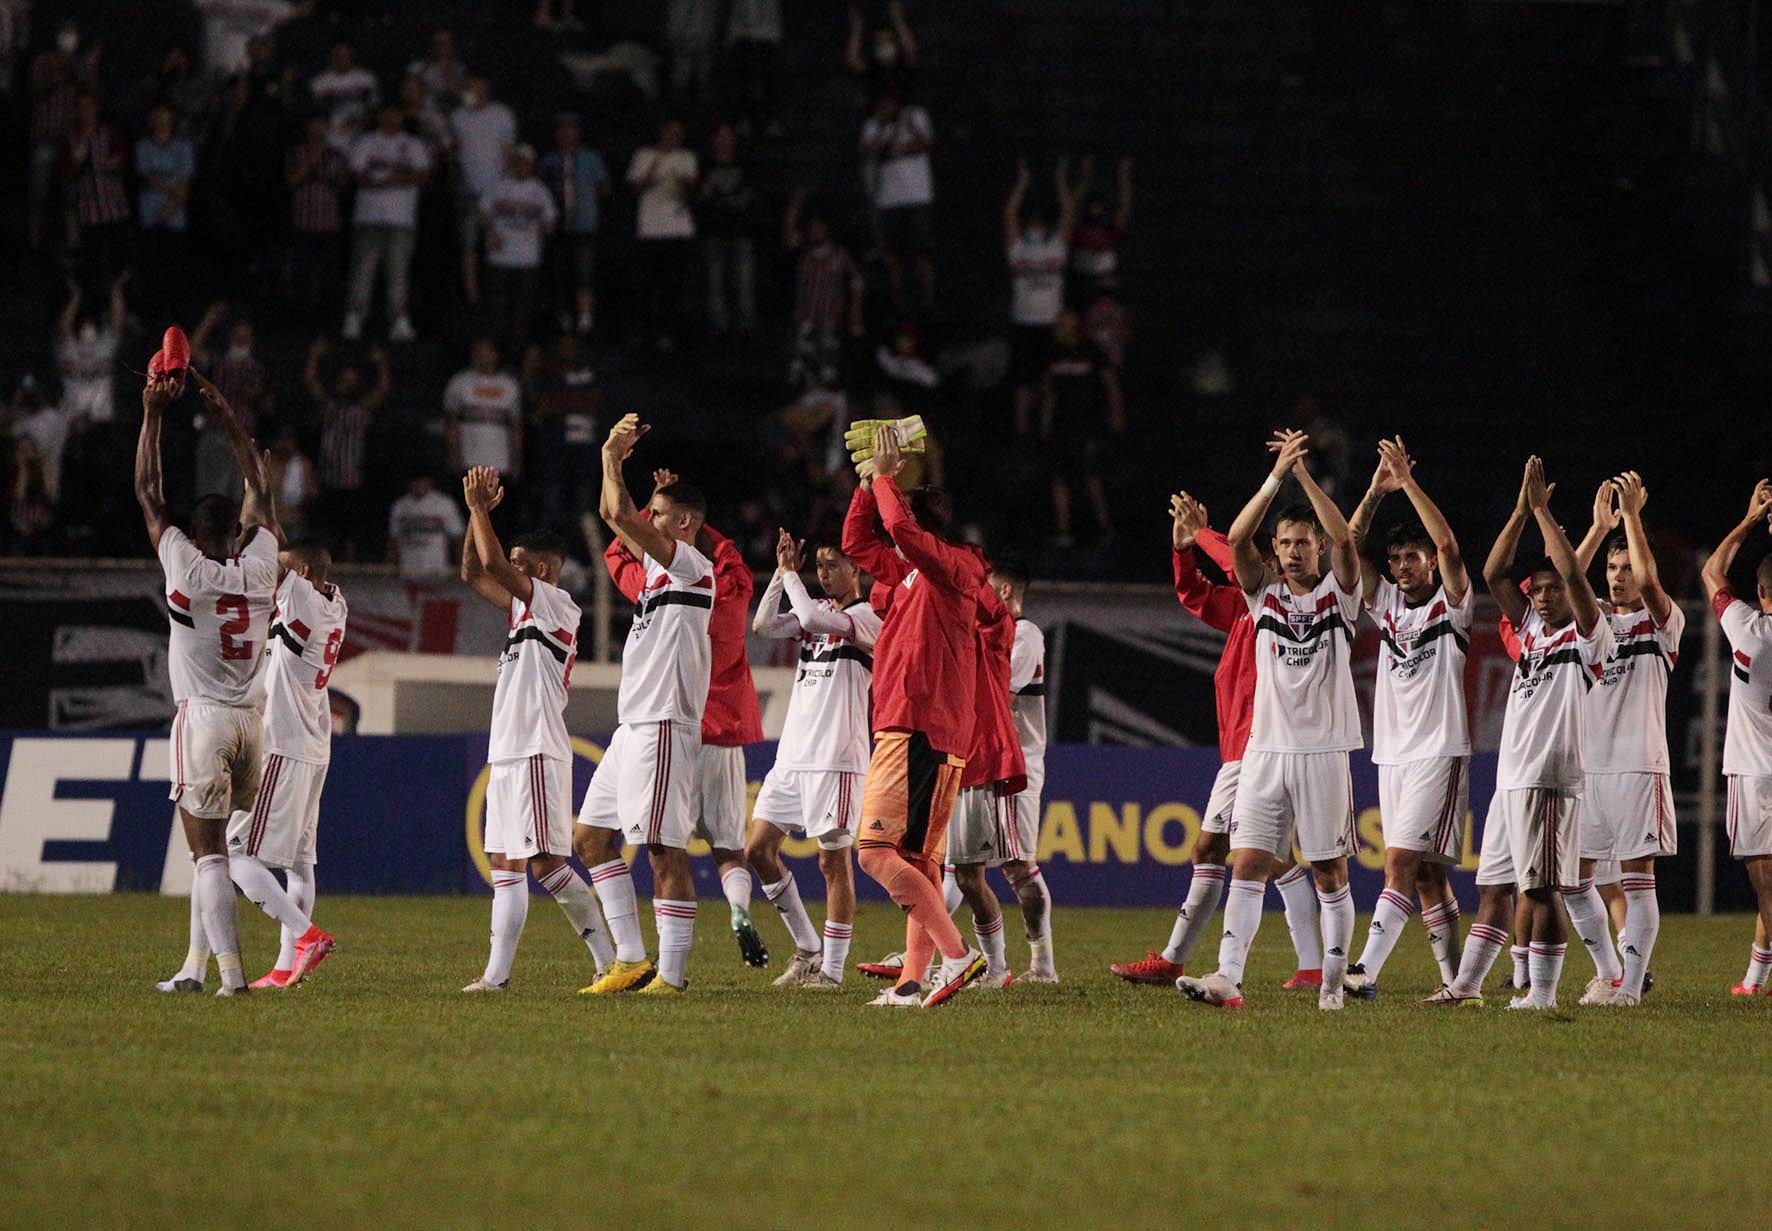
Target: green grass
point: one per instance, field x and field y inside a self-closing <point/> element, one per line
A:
<point x="380" y="1095"/>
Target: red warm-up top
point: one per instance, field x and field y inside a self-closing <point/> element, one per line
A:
<point x="1224" y="608"/>
<point x="996" y="756"/>
<point x="926" y="658"/>
<point x="732" y="716"/>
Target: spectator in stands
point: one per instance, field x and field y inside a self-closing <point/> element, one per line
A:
<point x="243" y="379"/>
<point x="753" y="47"/>
<point x="93" y="162"/>
<point x="884" y="52"/>
<point x="728" y="227"/>
<point x="346" y="91"/>
<point x="1081" y="406"/>
<point x="57" y="76"/>
<point x="294" y="483"/>
<point x="34" y="416"/>
<point x="1037" y="252"/>
<point x="181" y="87"/>
<point x="425" y="528"/>
<point x="228" y="25"/>
<point x="1106" y="323"/>
<point x="562" y="389"/>
<point x="1095" y="250"/>
<point x="424" y="120"/>
<point x="485" y="131"/>
<point x="691" y="30"/>
<point x="483" y="415"/>
<point x="579" y="180"/>
<point x="30" y="509"/>
<point x="827" y="297"/>
<point x="86" y="349"/>
<point x="906" y="380"/>
<point x="390" y="164"/>
<point x="444" y="75"/>
<point x="345" y="414"/>
<point x="164" y="165"/>
<point x="664" y="175"/>
<point x="316" y="174"/>
<point x="895" y="144"/>
<point x="518" y="215"/>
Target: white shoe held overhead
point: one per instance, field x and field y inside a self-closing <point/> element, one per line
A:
<point x="1213" y="989"/>
<point x="1599" y="991"/>
<point x="890" y="999"/>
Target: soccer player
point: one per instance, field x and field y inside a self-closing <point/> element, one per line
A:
<point x="1420" y="732"/>
<point x="815" y="785"/>
<point x="1747" y="741"/>
<point x="1233" y="685"/>
<point x="220" y="581"/>
<point x="925" y="665"/>
<point x="1532" y="834"/>
<point x="1295" y="771"/>
<point x="528" y="795"/>
<point x="1627" y="807"/>
<point x="732" y="718"/>
<point x="983" y="829"/>
<point x="645" y="787"/>
<point x="1027" y="689"/>
<point x="281" y="830"/>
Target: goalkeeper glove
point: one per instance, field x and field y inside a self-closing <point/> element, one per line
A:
<point x="859" y="439"/>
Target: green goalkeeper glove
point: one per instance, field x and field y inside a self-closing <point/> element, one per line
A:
<point x="859" y="439"/>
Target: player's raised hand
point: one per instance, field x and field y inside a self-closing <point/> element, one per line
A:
<point x="1187" y="518"/>
<point x="788" y="552"/>
<point x="1291" y="447"/>
<point x="662" y="478"/>
<point x="888" y="461"/>
<point x="207" y="388"/>
<point x="157" y="394"/>
<point x="1606" y="511"/>
<point x="1631" y="493"/>
<point x="1760" y="503"/>
<point x="1537" y="491"/>
<point x="1395" y="460"/>
<point x="624" y="436"/>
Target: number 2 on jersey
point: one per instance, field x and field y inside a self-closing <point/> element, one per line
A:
<point x="233" y="605"/>
<point x="331" y="659"/>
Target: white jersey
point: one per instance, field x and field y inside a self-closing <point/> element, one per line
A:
<point x="1027" y="689"/>
<point x="668" y="659"/>
<point x="219" y="612"/>
<point x="1418" y="711"/>
<point x="1304" y="684"/>
<point x="529" y="704"/>
<point x="1747" y="741"/>
<point x="1541" y="739"/>
<point x="1626" y="726"/>
<point x="307" y="629"/>
<point x="827" y="726"/>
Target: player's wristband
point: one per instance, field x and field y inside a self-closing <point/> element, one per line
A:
<point x="1271" y="487"/>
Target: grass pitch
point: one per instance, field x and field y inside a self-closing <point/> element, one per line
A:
<point x="378" y="1095"/>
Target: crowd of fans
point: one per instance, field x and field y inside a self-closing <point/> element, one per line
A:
<point x="389" y="215"/>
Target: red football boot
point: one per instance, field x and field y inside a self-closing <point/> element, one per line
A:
<point x="1155" y="969"/>
<point x="1304" y="978"/>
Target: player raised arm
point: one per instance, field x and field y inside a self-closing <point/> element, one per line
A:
<point x="1556" y="545"/>
<point x="473" y="570"/>
<point x="771" y="620"/>
<point x="1384" y="482"/>
<point x="1453" y="574"/>
<point x="256" y="509"/>
<point x="1012" y="206"/>
<point x="922" y="550"/>
<point x="482" y="490"/>
<point x="1251" y="574"/>
<point x="1217" y="606"/>
<point x="1344" y="556"/>
<point x="1716" y="568"/>
<point x="1632" y="496"/>
<point x="150" y="491"/>
<point x="1605" y="521"/>
<point x="637" y="533"/>
<point x="1498" y="567"/>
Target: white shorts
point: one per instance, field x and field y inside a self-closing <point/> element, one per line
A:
<point x="1607" y="872"/>
<point x="822" y="804"/>
<point x="214" y="767"/>
<point x="1495" y="866"/>
<point x="1627" y="816"/>
<point x="529" y="807"/>
<point x="282" y="827"/>
<point x="1312" y="792"/>
<point x="721" y="790"/>
<point x="1750" y="815"/>
<point x="1543" y="835"/>
<point x="984" y="829"/>
<point x="645" y="785"/>
<point x="1422" y="805"/>
<point x="1027" y="812"/>
<point x="1217" y="817"/>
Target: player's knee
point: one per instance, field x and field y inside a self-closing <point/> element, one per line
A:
<point x="833" y="861"/>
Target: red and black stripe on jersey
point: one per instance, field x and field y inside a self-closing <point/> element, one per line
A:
<point x="1275" y="619"/>
<point x="832" y="653"/>
<point x="1741" y="666"/>
<point x="557" y="642"/>
<point x="1558" y="653"/>
<point x="178" y="609"/>
<point x="293" y="634"/>
<point x="1643" y="641"/>
<point x="1441" y="626"/>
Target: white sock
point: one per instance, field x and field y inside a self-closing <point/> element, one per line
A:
<point x="197" y="947"/>
<point x="1389" y="917"/>
<point x="1545" y="962"/>
<point x="579" y="905"/>
<point x="1522" y="976"/>
<point x="1037" y="922"/>
<point x="510" y="911"/>
<point x="736" y="881"/>
<point x="1759" y="966"/>
<point x="1642" y="924"/>
<point x="298" y="883"/>
<point x="1587" y="919"/>
<point x="219" y="923"/>
<point x="1481" y="948"/>
<point x="1441" y="926"/>
<point x="1338" y="933"/>
<point x="1300" y="897"/>
<point x="676" y="932"/>
<point x="1205" y="892"/>
<point x="836" y="949"/>
<point x="990" y="939"/>
<point x="785" y="894"/>
<point x="614" y="886"/>
<point x="1242" y="919"/>
<point x="950" y="889"/>
<point x="260" y="886"/>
